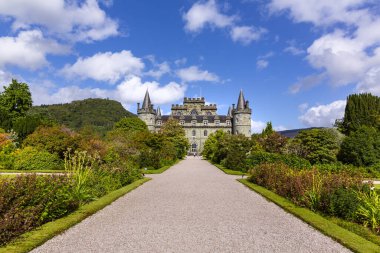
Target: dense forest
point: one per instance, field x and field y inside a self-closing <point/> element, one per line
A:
<point x="99" y="113"/>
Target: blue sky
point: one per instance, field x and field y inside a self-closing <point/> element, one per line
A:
<point x="295" y="60"/>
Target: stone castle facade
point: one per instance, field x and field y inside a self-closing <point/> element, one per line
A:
<point x="198" y="119"/>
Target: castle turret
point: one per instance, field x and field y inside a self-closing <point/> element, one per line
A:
<point x="146" y="113"/>
<point x="241" y="117"/>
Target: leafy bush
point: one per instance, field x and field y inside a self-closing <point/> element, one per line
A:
<point x="369" y="210"/>
<point x="29" y="201"/>
<point x="368" y="172"/>
<point x="344" y="203"/>
<point x="361" y="148"/>
<point x="31" y="158"/>
<point x="260" y="157"/>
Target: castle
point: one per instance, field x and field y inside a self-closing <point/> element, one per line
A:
<point x="198" y="119"/>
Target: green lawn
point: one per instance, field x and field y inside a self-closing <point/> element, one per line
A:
<point x="229" y="172"/>
<point x="349" y="239"/>
<point x="377" y="186"/>
<point x="38" y="236"/>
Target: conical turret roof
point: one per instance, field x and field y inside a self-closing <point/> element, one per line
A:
<point x="241" y="101"/>
<point x="146" y="104"/>
<point x="229" y="113"/>
<point x="158" y="111"/>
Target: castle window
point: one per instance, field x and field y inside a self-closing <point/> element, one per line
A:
<point x="228" y="123"/>
<point x="208" y="113"/>
<point x="159" y="122"/>
<point x="217" y="122"/>
<point x="194" y="112"/>
<point x="193" y="133"/>
<point x="193" y="122"/>
<point x="205" y="122"/>
<point x="205" y="132"/>
<point x="179" y="113"/>
<point x="182" y="122"/>
<point x="229" y="132"/>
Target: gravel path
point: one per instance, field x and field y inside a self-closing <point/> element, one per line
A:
<point x="192" y="207"/>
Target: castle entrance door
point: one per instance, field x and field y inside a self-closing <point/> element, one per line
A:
<point x="194" y="148"/>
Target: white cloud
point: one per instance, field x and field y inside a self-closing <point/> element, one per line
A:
<point x="83" y="21"/>
<point x="193" y="73"/>
<point x="107" y="66"/>
<point x="128" y="92"/>
<point x="303" y="107"/>
<point x="202" y="14"/>
<point x="294" y="50"/>
<point x="160" y="70"/>
<point x="323" y="115"/>
<point x="132" y="90"/>
<point x="257" y="126"/>
<point x="181" y="61"/>
<point x="28" y="50"/>
<point x="349" y="54"/>
<point x="208" y="14"/>
<point x="307" y="82"/>
<point x="246" y="34"/>
<point x="262" y="64"/>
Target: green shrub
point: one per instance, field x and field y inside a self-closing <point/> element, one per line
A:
<point x="369" y="210"/>
<point x="344" y="203"/>
<point x="31" y="158"/>
<point x="367" y="172"/>
<point x="260" y="157"/>
<point x="29" y="201"/>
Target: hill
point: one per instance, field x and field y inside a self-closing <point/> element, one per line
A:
<point x="98" y="113"/>
<point x="293" y="132"/>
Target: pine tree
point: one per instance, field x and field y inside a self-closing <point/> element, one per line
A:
<point x="361" y="110"/>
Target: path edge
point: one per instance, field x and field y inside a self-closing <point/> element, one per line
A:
<point x="30" y="240"/>
<point x="348" y="239"/>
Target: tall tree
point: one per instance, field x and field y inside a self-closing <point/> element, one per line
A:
<point x="16" y="99"/>
<point x="361" y="110"/>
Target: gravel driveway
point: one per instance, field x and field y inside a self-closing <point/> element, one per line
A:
<point x="192" y="207"/>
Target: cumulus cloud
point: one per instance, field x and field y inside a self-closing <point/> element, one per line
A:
<point x="73" y="20"/>
<point x="203" y="14"/>
<point x="128" y="92"/>
<point x="349" y="54"/>
<point x="246" y="34"/>
<point x="159" y="70"/>
<point x="208" y="14"/>
<point x="132" y="90"/>
<point x="294" y="50"/>
<point x="262" y="64"/>
<point x="108" y="66"/>
<point x="28" y="50"/>
<point x="323" y="115"/>
<point x="193" y="73"/>
<point x="306" y="83"/>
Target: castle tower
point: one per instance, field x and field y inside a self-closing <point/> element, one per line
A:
<point x="241" y="123"/>
<point x="146" y="113"/>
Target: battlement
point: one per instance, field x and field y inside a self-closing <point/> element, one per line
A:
<point x="187" y="100"/>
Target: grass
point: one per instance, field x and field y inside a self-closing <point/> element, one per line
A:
<point x="160" y="170"/>
<point x="377" y="186"/>
<point x="32" y="171"/>
<point x="229" y="172"/>
<point x="38" y="236"/>
<point x="349" y="239"/>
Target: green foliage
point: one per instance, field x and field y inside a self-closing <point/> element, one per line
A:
<point x="31" y="158"/>
<point x="317" y="145"/>
<point x="344" y="203"/>
<point x="214" y="147"/>
<point x="260" y="157"/>
<point x="369" y="210"/>
<point x="173" y="132"/>
<point x="268" y="130"/>
<point x="361" y="110"/>
<point x="102" y="114"/>
<point x="361" y="148"/>
<point x="26" y="125"/>
<point x="16" y="99"/>
<point x="55" y="139"/>
<point x="131" y="124"/>
<point x="29" y="201"/>
<point x="237" y="148"/>
<point x="272" y="142"/>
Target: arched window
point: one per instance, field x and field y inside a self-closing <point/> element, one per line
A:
<point x="229" y="132"/>
<point x="193" y="133"/>
<point x="194" y="112"/>
<point x="205" y="132"/>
